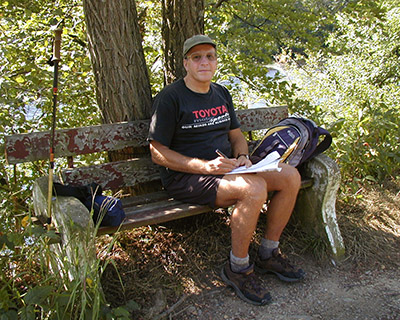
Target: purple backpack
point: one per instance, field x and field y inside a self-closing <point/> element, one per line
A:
<point x="295" y="139"/>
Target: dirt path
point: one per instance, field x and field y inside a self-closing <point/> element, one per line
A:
<point x="326" y="293"/>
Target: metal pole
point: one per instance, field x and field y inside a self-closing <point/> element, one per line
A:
<point x="56" y="59"/>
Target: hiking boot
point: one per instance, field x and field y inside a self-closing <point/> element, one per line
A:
<point x="280" y="266"/>
<point x="246" y="284"/>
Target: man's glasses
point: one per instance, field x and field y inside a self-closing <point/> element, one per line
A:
<point x="197" y="57"/>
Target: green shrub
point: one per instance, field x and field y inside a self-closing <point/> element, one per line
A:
<point x="353" y="92"/>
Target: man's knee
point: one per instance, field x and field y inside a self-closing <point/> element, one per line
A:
<point x="254" y="190"/>
<point x="290" y="178"/>
<point x="247" y="188"/>
<point x="258" y="189"/>
<point x="293" y="178"/>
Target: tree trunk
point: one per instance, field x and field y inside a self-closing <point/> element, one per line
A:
<point x="115" y="44"/>
<point x="181" y="20"/>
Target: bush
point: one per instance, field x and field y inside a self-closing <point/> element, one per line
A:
<point x="353" y="91"/>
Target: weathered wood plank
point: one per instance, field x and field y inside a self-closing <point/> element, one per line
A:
<point x="157" y="207"/>
<point x="70" y="142"/>
<point x="114" y="175"/>
<point x="144" y="199"/>
<point x="127" y="173"/>
<point x="261" y="118"/>
<point x="149" y="214"/>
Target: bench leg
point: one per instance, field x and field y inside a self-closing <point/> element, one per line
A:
<point x="315" y="206"/>
<point x="72" y="220"/>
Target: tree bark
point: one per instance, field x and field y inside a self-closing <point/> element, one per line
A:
<point x="181" y="20"/>
<point x="122" y="82"/>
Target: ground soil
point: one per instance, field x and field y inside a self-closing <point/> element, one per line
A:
<point x="326" y="293"/>
<point x="172" y="271"/>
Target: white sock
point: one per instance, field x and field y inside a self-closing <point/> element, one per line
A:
<point x="266" y="248"/>
<point x="238" y="264"/>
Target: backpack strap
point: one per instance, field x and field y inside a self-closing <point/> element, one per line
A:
<point x="324" y="144"/>
<point x="79" y="192"/>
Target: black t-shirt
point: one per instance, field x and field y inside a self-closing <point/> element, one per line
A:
<point x="193" y="124"/>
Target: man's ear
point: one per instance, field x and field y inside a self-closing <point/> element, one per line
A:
<point x="185" y="62"/>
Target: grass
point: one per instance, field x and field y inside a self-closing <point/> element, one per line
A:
<point x="370" y="225"/>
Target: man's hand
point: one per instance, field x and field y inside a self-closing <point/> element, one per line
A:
<point x="166" y="157"/>
<point x="221" y="165"/>
<point x="243" y="161"/>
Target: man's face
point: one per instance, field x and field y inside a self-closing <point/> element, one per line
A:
<point x="201" y="63"/>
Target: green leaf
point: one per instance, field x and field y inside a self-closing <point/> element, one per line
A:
<point x="121" y="312"/>
<point x="37" y="295"/>
<point x="27" y="313"/>
<point x="371" y="178"/>
<point x="4" y="241"/>
<point x="20" y="79"/>
<point x="132" y="305"/>
<point x="9" y="315"/>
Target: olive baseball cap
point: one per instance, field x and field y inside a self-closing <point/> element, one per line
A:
<point x="196" y="40"/>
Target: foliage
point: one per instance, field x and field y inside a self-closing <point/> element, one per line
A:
<point x="71" y="291"/>
<point x="26" y="81"/>
<point x="251" y="33"/>
<point x="26" y="77"/>
<point x="149" y="13"/>
<point x="28" y="290"/>
<point x="355" y="91"/>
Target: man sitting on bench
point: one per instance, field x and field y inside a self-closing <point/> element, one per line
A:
<point x="194" y="117"/>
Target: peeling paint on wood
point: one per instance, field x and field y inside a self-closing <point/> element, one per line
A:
<point x="261" y="118"/>
<point x="70" y="142"/>
<point x="114" y="175"/>
<point x="107" y="137"/>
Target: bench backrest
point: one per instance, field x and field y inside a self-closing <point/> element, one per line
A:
<point x="34" y="146"/>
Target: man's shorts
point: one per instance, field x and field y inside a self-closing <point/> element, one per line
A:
<point x="195" y="188"/>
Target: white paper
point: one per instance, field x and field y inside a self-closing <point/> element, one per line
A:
<point x="269" y="163"/>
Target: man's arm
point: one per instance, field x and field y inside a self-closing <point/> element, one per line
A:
<point x="164" y="156"/>
<point x="239" y="146"/>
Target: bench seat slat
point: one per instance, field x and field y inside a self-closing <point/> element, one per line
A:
<point x="149" y="214"/>
<point x="144" y="199"/>
<point x="138" y="209"/>
<point x="306" y="183"/>
<point x="157" y="208"/>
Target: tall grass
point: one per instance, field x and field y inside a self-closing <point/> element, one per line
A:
<point x="41" y="279"/>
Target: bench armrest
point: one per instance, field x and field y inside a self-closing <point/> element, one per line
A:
<point x="315" y="207"/>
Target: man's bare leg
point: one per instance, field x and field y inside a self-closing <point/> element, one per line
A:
<point x="248" y="193"/>
<point x="286" y="185"/>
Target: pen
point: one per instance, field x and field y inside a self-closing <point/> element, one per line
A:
<point x="220" y="153"/>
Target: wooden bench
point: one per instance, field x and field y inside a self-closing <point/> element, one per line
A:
<point x="315" y="206"/>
